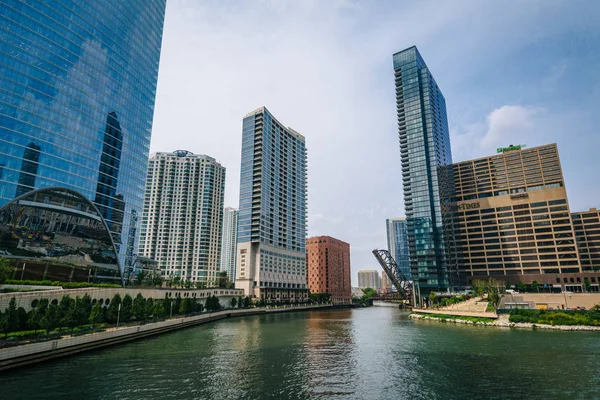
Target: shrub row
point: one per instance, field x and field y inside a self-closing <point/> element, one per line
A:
<point x="66" y="285"/>
<point x="444" y="317"/>
<point x="562" y="317"/>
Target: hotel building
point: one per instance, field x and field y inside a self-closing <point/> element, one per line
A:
<point x="587" y="235"/>
<point x="511" y="219"/>
<point x="271" y="245"/>
<point x="329" y="268"/>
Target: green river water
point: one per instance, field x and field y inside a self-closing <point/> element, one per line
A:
<point x="372" y="353"/>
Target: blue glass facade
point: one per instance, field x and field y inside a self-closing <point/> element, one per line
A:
<point x="77" y="102"/>
<point x="397" y="240"/>
<point x="424" y="148"/>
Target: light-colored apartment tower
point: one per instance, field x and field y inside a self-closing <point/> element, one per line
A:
<point x="369" y="279"/>
<point x="271" y="249"/>
<point x="183" y="215"/>
<point x="229" y="241"/>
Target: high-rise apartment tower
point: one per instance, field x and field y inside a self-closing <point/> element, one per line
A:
<point x="271" y="250"/>
<point x="229" y="241"/>
<point x="369" y="278"/>
<point x="424" y="148"/>
<point x="183" y="215"/>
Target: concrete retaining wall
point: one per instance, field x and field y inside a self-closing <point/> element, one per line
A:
<point x="24" y="299"/>
<point x="19" y="356"/>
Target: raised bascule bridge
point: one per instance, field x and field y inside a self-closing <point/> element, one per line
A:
<point x="402" y="284"/>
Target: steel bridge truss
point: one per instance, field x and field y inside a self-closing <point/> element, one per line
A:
<point x="398" y="279"/>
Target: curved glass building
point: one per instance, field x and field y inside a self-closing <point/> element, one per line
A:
<point x="77" y="101"/>
<point x="57" y="234"/>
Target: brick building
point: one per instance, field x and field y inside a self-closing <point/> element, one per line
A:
<point x="329" y="268"/>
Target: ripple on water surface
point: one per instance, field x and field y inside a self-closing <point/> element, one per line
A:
<point x="375" y="353"/>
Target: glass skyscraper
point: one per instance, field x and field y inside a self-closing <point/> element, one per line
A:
<point x="271" y="244"/>
<point x="424" y="148"/>
<point x="77" y="101"/>
<point x="397" y="241"/>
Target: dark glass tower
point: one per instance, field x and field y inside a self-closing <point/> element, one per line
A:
<point x="397" y="239"/>
<point x="77" y="102"/>
<point x="424" y="148"/>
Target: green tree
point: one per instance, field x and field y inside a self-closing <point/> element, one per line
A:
<point x="479" y="286"/>
<point x="12" y="318"/>
<point x="246" y="302"/>
<point x="240" y="302"/>
<point x="159" y="309"/>
<point x="22" y="317"/>
<point x="96" y="315"/>
<point x="83" y="309"/>
<point x="587" y="286"/>
<point x="521" y="286"/>
<point x="535" y="286"/>
<point x="233" y="302"/>
<point x="369" y="292"/>
<point x="3" y="323"/>
<point x="139" y="307"/>
<point x="64" y="310"/>
<point x="5" y="270"/>
<point x="37" y="313"/>
<point x="51" y="319"/>
<point x="149" y="308"/>
<point x="186" y="306"/>
<point x="432" y="298"/>
<point x="113" y="309"/>
<point x="126" y="308"/>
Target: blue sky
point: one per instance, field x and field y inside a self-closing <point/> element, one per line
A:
<point x="511" y="72"/>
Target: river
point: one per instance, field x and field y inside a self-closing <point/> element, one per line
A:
<point x="372" y="353"/>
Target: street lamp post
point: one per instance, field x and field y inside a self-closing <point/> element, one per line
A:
<point x="118" y="314"/>
<point x="171" y="310"/>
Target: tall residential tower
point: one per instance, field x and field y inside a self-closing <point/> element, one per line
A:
<point x="229" y="241"/>
<point x="271" y="250"/>
<point x="183" y="215"/>
<point x="424" y="148"/>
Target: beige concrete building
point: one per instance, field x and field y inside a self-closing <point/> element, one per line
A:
<point x="386" y="284"/>
<point x="510" y="219"/>
<point x="369" y="279"/>
<point x="587" y="233"/>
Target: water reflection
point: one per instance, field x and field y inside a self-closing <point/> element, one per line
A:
<point x="375" y="353"/>
<point x="57" y="234"/>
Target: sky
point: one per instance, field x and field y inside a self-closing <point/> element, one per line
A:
<point x="512" y="72"/>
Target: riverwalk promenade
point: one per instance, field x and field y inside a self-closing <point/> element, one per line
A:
<point x="27" y="354"/>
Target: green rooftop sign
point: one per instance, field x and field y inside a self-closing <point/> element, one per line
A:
<point x="511" y="148"/>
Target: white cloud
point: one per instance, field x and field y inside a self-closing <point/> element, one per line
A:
<point x="509" y="125"/>
<point x="324" y="68"/>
